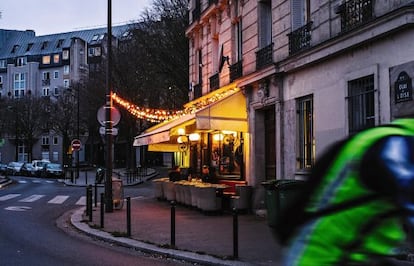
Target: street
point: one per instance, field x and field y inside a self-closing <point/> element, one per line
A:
<point x="35" y="231"/>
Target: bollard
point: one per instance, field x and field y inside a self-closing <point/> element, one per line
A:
<point x="172" y="223"/>
<point x="87" y="200"/>
<point x="102" y="209"/>
<point x="96" y="195"/>
<point x="235" y="234"/>
<point x="129" y="216"/>
<point x="86" y="177"/>
<point x="90" y="202"/>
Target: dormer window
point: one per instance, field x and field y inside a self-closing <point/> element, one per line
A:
<point x="60" y="43"/>
<point x="29" y="46"/>
<point x="14" y="49"/>
<point x="21" y="61"/>
<point x="95" y="37"/>
<point x="44" y="45"/>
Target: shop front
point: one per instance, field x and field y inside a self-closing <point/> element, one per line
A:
<point x="213" y="137"/>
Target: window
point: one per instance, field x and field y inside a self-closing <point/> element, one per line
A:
<point x="46" y="75"/>
<point x="55" y="156"/>
<point x="94" y="51"/>
<point x="65" y="54"/>
<point x="305" y="142"/>
<point x="66" y="83"/>
<point x="44" y="45"/>
<point x="361" y="104"/>
<point x="19" y="84"/>
<point x="56" y="91"/>
<point x="56" y="58"/>
<point x="22" y="153"/>
<point x="45" y="91"/>
<point x="1" y="82"/>
<point x="55" y="140"/>
<point x="45" y="140"/>
<point x="15" y="48"/>
<point x="265" y="23"/>
<point x="3" y="63"/>
<point x="21" y="61"/>
<point x="56" y="74"/>
<point x="60" y="43"/>
<point x="237" y="28"/>
<point x="300" y="13"/>
<point x="66" y="69"/>
<point x="29" y="46"/>
<point x="46" y="59"/>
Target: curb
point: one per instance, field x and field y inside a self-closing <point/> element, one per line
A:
<point x="76" y="221"/>
<point x="4" y="182"/>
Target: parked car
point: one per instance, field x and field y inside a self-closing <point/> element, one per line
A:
<point x="39" y="165"/>
<point x="52" y="170"/>
<point x="13" y="168"/>
<point x="28" y="170"/>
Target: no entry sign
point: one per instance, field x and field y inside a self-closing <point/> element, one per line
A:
<point x="76" y="144"/>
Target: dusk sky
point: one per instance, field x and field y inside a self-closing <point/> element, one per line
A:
<point x="55" y="16"/>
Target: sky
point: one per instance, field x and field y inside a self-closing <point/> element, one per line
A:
<point x="56" y="16"/>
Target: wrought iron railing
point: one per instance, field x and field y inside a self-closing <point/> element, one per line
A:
<point x="214" y="82"/>
<point x="355" y="13"/>
<point x="236" y="71"/>
<point x="300" y="38"/>
<point x="264" y="57"/>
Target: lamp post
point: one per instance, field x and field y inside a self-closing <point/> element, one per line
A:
<point x="108" y="120"/>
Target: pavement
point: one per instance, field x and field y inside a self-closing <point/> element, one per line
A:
<point x="201" y="238"/>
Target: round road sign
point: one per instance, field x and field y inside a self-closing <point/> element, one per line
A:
<point x="76" y="144"/>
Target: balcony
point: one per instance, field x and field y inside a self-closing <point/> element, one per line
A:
<point x="355" y="13"/>
<point x="197" y="92"/>
<point x="46" y="82"/>
<point x="236" y="71"/>
<point x="214" y="82"/>
<point x="264" y="57"/>
<point x="300" y="39"/>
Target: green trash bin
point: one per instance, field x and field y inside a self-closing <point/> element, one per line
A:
<point x="279" y="194"/>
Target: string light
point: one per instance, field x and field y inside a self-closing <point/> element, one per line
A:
<point x="160" y="115"/>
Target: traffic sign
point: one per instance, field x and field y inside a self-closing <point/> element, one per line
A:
<point x="76" y="144"/>
<point x="115" y="115"/>
<point x="113" y="131"/>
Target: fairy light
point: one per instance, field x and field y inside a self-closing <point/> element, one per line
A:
<point x="160" y="115"/>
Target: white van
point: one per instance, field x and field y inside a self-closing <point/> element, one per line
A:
<point x="39" y="165"/>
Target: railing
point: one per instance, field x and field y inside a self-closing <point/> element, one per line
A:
<point x="300" y="38"/>
<point x="214" y="82"/>
<point x="196" y="13"/>
<point x="236" y="71"/>
<point x="264" y="57"/>
<point x="45" y="82"/>
<point x="197" y="93"/>
<point x="354" y="13"/>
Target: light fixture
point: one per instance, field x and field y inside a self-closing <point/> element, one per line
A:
<point x="218" y="137"/>
<point x="182" y="139"/>
<point x="181" y="131"/>
<point x="194" y="137"/>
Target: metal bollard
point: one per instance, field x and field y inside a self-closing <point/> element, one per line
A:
<point x="235" y="234"/>
<point x="102" y="209"/>
<point x="128" y="216"/>
<point x="96" y="195"/>
<point x="89" y="202"/>
<point x="172" y="223"/>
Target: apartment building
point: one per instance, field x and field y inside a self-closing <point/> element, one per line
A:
<point x="273" y="83"/>
<point x="47" y="66"/>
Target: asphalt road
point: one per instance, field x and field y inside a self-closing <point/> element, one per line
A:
<point x="34" y="229"/>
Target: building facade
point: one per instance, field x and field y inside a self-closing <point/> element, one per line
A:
<point x="47" y="66"/>
<point x="312" y="73"/>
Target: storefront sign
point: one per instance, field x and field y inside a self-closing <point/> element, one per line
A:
<point x="403" y="88"/>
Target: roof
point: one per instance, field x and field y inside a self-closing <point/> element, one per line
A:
<point x="15" y="43"/>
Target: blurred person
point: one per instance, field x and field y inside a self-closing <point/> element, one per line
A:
<point x="358" y="205"/>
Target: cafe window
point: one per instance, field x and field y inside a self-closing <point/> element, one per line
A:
<point x="227" y="153"/>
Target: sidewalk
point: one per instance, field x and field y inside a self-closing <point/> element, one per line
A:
<point x="200" y="238"/>
<point x="5" y="181"/>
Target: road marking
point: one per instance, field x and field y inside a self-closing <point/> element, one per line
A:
<point x="9" y="196"/>
<point x="22" y="181"/>
<point x="58" y="199"/>
<point x="36" y="181"/>
<point x="50" y="182"/>
<point x="81" y="201"/>
<point x="18" y="208"/>
<point x="32" y="198"/>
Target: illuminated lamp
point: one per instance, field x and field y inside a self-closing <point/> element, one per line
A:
<point x="194" y="137"/>
<point x="181" y="131"/>
<point x="218" y="137"/>
<point x="182" y="139"/>
<point x="227" y="132"/>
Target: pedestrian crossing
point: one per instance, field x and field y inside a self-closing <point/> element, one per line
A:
<point x="55" y="199"/>
<point x="36" y="181"/>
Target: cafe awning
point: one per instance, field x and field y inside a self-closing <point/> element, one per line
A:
<point x="228" y="113"/>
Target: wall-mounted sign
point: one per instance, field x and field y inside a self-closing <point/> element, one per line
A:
<point x="403" y="88"/>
